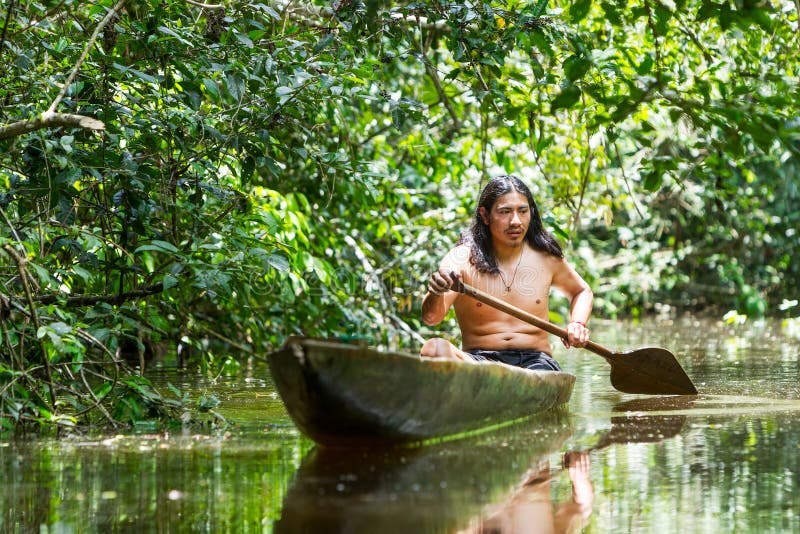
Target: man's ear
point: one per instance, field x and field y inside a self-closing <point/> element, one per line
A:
<point x="484" y="215"/>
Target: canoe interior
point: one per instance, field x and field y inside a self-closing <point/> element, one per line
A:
<point x="349" y="394"/>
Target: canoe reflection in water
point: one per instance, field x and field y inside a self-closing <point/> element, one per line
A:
<point x="433" y="488"/>
<point x="498" y="482"/>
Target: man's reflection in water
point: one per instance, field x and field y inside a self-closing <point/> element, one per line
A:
<point x="530" y="510"/>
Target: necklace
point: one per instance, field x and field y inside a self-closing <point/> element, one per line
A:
<point x="513" y="275"/>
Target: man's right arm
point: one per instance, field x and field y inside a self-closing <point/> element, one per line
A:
<point x="434" y="308"/>
<point x="440" y="296"/>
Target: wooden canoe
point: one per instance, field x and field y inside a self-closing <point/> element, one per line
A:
<point x="348" y="394"/>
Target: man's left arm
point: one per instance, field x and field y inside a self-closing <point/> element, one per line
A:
<point x="580" y="296"/>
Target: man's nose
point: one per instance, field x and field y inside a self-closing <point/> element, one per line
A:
<point x="515" y="218"/>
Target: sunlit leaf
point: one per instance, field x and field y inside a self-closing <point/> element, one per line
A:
<point x="278" y="262"/>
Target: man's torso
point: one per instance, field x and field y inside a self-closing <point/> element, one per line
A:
<point x="483" y="327"/>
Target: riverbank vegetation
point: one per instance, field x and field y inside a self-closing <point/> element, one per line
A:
<point x="196" y="181"/>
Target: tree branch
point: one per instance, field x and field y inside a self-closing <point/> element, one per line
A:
<point x="91" y="300"/>
<point x="205" y="6"/>
<point x="686" y="30"/>
<point x="651" y="24"/>
<point x="437" y="84"/>
<point x="49" y="119"/>
<point x="625" y="179"/>
<point x="305" y="10"/>
<point x="108" y="18"/>
<point x="587" y="162"/>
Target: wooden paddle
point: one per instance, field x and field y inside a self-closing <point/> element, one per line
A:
<point x="649" y="370"/>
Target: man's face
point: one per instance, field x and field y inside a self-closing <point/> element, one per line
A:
<point x="509" y="219"/>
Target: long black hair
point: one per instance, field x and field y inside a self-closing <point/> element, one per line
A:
<point x="479" y="238"/>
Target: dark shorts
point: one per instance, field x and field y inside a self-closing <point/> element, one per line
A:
<point x="525" y="358"/>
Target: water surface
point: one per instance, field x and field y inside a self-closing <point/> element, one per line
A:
<point x="724" y="461"/>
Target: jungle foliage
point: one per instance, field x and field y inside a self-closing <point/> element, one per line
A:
<point x="201" y="180"/>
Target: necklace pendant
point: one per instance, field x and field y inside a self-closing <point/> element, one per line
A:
<point x="508" y="285"/>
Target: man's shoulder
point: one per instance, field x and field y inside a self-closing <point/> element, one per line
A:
<point x="543" y="258"/>
<point x="543" y="255"/>
<point x="458" y="256"/>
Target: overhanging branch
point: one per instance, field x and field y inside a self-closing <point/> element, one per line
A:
<point x="49" y="119"/>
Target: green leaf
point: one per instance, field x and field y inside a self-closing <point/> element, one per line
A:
<point x="244" y="39"/>
<point x="83" y="274"/>
<point x="278" y="262"/>
<point x="174" y="390"/>
<point x="566" y="98"/>
<point x="540" y="7"/>
<point x="576" y="67"/>
<point x="211" y="87"/>
<point x="235" y="85"/>
<point x="398" y="117"/>
<point x="652" y="181"/>
<point x="42" y="331"/>
<point x="542" y="43"/>
<point x="102" y="390"/>
<point x="323" y="270"/>
<point x="271" y="12"/>
<point x="169" y="281"/>
<point x="579" y="10"/>
<point x="69" y="176"/>
<point x="42" y="273"/>
<point x="663" y="16"/>
<point x="707" y="10"/>
<point x="159" y="246"/>
<point x="646" y="65"/>
<point x="101" y="334"/>
<point x="763" y="19"/>
<point x="75" y="89"/>
<point x="61" y="328"/>
<point x="167" y="31"/>
<point x="139" y="74"/>
<point x="612" y="13"/>
<point x="323" y="43"/>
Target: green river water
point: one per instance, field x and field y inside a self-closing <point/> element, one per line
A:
<point x="727" y="460"/>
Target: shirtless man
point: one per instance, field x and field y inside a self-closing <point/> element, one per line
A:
<point x="508" y="254"/>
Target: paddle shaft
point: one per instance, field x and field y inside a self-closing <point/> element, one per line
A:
<point x="650" y="370"/>
<point x="522" y="315"/>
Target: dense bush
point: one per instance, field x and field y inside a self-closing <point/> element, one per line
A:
<point x="197" y="181"/>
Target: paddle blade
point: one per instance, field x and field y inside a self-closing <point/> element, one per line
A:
<point x="651" y="370"/>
